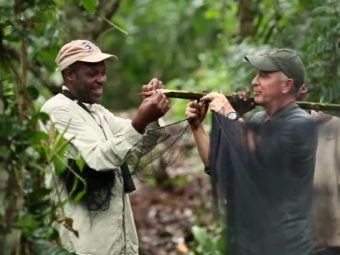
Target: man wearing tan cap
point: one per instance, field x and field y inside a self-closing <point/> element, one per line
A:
<point x="264" y="165"/>
<point x="103" y="223"/>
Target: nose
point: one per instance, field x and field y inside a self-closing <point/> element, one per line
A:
<point x="101" y="78"/>
<point x="255" y="81"/>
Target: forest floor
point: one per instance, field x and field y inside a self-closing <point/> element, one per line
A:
<point x="165" y="211"/>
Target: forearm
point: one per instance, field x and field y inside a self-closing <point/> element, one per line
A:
<point x="202" y="141"/>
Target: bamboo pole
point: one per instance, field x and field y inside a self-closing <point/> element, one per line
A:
<point x="183" y="94"/>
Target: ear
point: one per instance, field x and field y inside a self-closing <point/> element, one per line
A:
<point x="288" y="86"/>
<point x="303" y="89"/>
<point x="70" y="75"/>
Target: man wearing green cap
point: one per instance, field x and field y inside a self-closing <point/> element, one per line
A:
<point x="263" y="165"/>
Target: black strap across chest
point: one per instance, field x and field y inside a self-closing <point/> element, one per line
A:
<point x="69" y="95"/>
<point x="128" y="183"/>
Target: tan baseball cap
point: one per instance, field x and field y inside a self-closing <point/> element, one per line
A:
<point x="80" y="50"/>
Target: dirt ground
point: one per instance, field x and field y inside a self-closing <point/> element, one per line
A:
<point x="164" y="213"/>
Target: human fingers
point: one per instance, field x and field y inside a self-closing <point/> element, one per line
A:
<point x="152" y="85"/>
<point x="156" y="84"/>
<point x="192" y="113"/>
<point x="211" y="96"/>
<point x="147" y="90"/>
<point x="242" y="95"/>
<point x="217" y="102"/>
<point x="147" y="87"/>
<point x="164" y="102"/>
<point x="205" y="107"/>
<point x="147" y="94"/>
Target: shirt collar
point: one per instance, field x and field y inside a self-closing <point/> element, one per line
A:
<point x="281" y="112"/>
<point x="91" y="107"/>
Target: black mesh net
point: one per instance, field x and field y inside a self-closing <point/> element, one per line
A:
<point x="262" y="174"/>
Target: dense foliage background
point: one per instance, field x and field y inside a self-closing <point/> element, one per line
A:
<point x="188" y="44"/>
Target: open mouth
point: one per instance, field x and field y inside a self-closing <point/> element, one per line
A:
<point x="99" y="90"/>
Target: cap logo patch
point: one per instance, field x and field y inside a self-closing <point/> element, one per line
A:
<point x="87" y="46"/>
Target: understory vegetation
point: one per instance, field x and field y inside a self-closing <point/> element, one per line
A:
<point x="193" y="45"/>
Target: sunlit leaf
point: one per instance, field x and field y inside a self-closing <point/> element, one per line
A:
<point x="205" y="240"/>
<point x="80" y="163"/>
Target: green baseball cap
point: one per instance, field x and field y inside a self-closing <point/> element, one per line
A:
<point x="285" y="60"/>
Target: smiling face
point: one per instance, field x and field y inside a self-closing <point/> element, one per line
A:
<point x="270" y="87"/>
<point x="86" y="81"/>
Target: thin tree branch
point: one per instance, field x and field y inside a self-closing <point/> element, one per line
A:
<point x="107" y="10"/>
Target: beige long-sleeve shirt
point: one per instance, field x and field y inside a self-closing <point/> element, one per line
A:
<point x="326" y="199"/>
<point x="104" y="147"/>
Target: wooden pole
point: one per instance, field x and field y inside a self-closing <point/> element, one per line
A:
<point x="182" y="94"/>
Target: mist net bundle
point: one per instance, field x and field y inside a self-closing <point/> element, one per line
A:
<point x="263" y="171"/>
<point x="173" y="138"/>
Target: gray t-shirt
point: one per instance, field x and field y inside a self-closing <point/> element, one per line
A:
<point x="268" y="185"/>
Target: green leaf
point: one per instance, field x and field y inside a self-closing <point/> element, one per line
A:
<point x="205" y="240"/>
<point x="9" y="126"/>
<point x="43" y="247"/>
<point x="32" y="153"/>
<point x="33" y="92"/>
<point x="33" y="136"/>
<point x="80" y="195"/>
<point x="80" y="163"/>
<point x="44" y="117"/>
<point x="89" y="5"/>
<point x="4" y="151"/>
<point x="221" y="243"/>
<point x="27" y="223"/>
<point x="44" y="232"/>
<point x="60" y="164"/>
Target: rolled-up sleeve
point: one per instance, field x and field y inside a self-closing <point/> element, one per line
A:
<point x="146" y="142"/>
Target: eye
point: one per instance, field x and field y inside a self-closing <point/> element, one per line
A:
<point x="264" y="74"/>
<point x="91" y="73"/>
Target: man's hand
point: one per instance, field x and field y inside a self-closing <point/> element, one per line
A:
<point x="218" y="103"/>
<point x="151" y="109"/>
<point x="196" y="112"/>
<point x="241" y="102"/>
<point x="150" y="88"/>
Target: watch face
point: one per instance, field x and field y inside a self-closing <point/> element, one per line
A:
<point x="232" y="116"/>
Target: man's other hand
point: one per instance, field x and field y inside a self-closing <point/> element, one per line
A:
<point x="151" y="109"/>
<point x="196" y="112"/>
<point x="241" y="102"/>
<point x="150" y="88"/>
<point x="218" y="103"/>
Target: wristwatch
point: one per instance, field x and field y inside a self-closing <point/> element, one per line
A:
<point x="233" y="116"/>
